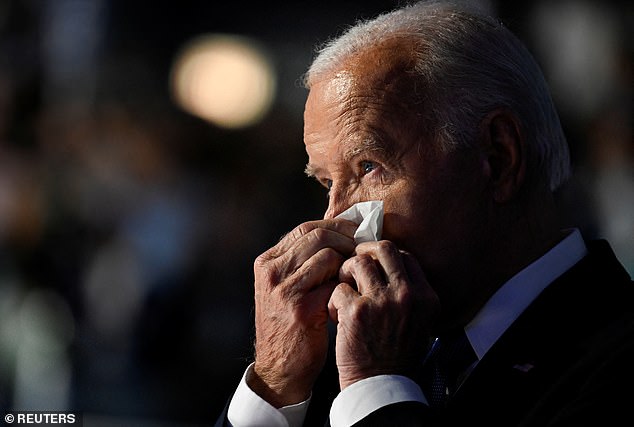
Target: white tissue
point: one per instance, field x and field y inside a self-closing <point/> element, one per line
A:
<point x="369" y="216"/>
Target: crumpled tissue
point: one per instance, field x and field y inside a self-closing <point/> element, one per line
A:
<point x="369" y="216"/>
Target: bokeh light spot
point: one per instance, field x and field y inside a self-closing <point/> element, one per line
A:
<point x="226" y="80"/>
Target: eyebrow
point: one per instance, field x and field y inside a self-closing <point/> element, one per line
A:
<point x="311" y="170"/>
<point x="367" y="145"/>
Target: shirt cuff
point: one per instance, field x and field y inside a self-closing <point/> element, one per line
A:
<point x="248" y="409"/>
<point x="360" y="399"/>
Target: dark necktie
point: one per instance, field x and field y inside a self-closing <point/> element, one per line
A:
<point x="445" y="367"/>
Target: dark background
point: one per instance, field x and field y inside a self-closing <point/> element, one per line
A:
<point x="128" y="227"/>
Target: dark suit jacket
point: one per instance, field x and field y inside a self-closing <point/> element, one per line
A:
<point x="567" y="360"/>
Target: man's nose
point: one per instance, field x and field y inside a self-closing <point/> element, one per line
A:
<point x="337" y="203"/>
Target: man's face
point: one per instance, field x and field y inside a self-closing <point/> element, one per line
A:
<point x="363" y="146"/>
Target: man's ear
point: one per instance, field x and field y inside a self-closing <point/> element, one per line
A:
<point x="504" y="148"/>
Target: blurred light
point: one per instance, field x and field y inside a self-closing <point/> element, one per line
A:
<point x="10" y="298"/>
<point x="43" y="371"/>
<point x="114" y="292"/>
<point x="223" y="79"/>
<point x="72" y="35"/>
<point x="578" y="41"/>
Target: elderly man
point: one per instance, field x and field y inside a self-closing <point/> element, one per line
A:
<point x="443" y="115"/>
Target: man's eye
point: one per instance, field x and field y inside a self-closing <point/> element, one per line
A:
<point x="328" y="184"/>
<point x="367" y="166"/>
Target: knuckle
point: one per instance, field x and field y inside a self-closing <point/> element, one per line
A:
<point x="408" y="297"/>
<point x="261" y="261"/>
<point x="400" y="277"/>
<point x="404" y="295"/>
<point x="358" y="309"/>
<point x="330" y="256"/>
<point x="265" y="273"/>
<point x="361" y="261"/>
<point x="386" y="246"/>
<point x="303" y="229"/>
<point x="318" y="234"/>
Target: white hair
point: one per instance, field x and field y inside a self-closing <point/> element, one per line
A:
<point x="468" y="64"/>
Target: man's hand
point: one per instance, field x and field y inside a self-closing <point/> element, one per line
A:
<point x="293" y="283"/>
<point x="384" y="324"/>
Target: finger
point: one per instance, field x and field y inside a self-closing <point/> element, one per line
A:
<point x="389" y="258"/>
<point x="413" y="268"/>
<point x="273" y="266"/>
<point x="316" y="302"/>
<point x="417" y="275"/>
<point x="338" y="226"/>
<point x="321" y="267"/>
<point x="290" y="253"/>
<point x="364" y="272"/>
<point x="342" y="296"/>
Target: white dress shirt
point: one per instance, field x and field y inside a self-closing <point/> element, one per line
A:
<point x="366" y="396"/>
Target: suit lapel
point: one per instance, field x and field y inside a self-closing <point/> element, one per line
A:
<point x="549" y="337"/>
